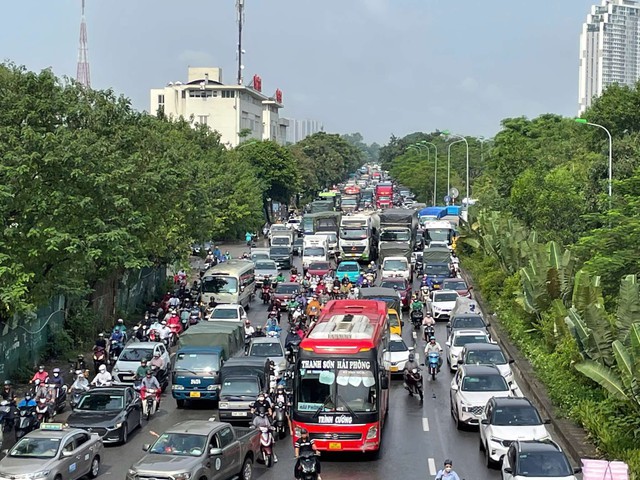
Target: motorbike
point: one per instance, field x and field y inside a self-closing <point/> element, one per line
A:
<point x="429" y="331"/>
<point x="280" y="420"/>
<point x="266" y="446"/>
<point x="266" y="294"/>
<point x="27" y="421"/>
<point x="247" y="343"/>
<point x="152" y="403"/>
<point x="335" y="293"/>
<point x="416" y="318"/>
<point x="43" y="411"/>
<point x="195" y="316"/>
<point x="419" y="267"/>
<point x="114" y="351"/>
<point x="99" y="358"/>
<point x="59" y="395"/>
<point x="413" y="380"/>
<point x="292" y="353"/>
<point x="75" y="394"/>
<point x="176" y="330"/>
<point x="424" y="293"/>
<point x="7" y="418"/>
<point x="308" y="466"/>
<point x="433" y="359"/>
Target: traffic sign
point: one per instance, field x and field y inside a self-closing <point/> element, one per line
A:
<point x="447" y="199"/>
<point x="454" y="192"/>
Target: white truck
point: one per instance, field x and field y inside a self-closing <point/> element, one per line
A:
<point x="314" y="249"/>
<point x="359" y="237"/>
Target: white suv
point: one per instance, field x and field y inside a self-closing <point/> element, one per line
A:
<point x="441" y="303"/>
<point x="458" y="339"/>
<point x="471" y="389"/>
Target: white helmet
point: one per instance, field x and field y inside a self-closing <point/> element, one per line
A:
<point x="103" y="368"/>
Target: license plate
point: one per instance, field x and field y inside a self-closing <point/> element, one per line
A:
<point x="238" y="414"/>
<point x="394" y="369"/>
<point x="194" y="394"/>
<point x="436" y="287"/>
<point x="335" y="446"/>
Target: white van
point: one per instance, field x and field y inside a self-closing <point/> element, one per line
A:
<point x="332" y="240"/>
<point x="280" y="240"/>
<point x="314" y="249"/>
<point x="233" y="281"/>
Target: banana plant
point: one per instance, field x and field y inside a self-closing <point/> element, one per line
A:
<point x="628" y="312"/>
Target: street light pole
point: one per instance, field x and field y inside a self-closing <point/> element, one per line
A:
<point x="449" y="164"/>
<point x="585" y="122"/>
<point x="435" y="171"/>
<point x="467" y="145"/>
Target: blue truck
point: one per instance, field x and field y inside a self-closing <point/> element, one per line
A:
<point x="203" y="350"/>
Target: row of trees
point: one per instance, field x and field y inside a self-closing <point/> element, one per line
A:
<point x="90" y="187"/>
<point x="555" y="262"/>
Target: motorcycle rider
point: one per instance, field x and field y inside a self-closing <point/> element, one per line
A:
<point x="40" y="375"/>
<point x="118" y="336"/>
<point x="259" y="332"/>
<point x="416" y="304"/>
<point x="279" y="278"/>
<point x="408" y="367"/>
<point x="40" y="390"/>
<point x="103" y="378"/>
<point x="27" y="402"/>
<point x="174" y="302"/>
<point x="142" y="370"/>
<point x="80" y="383"/>
<point x="261" y="403"/>
<point x="292" y="338"/>
<point x="174" y="320"/>
<point x="8" y="393"/>
<point x="272" y="325"/>
<point x="164" y="331"/>
<point x="434" y="346"/>
<point x="428" y="325"/>
<point x="261" y="419"/>
<point x="248" y="329"/>
<point x="80" y="364"/>
<point x="302" y="445"/>
<point x="121" y="326"/>
<point x="157" y="361"/>
<point x="447" y="472"/>
<point x="313" y="308"/>
<point x="149" y="381"/>
<point x="56" y="380"/>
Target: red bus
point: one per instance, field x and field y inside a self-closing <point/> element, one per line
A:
<point x="341" y="392"/>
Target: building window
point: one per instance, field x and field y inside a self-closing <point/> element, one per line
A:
<point x="228" y="94"/>
<point x="202" y="119"/>
<point x="200" y="93"/>
<point x="160" y="99"/>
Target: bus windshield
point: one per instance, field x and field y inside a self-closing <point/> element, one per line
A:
<point x="438" y="234"/>
<point x="220" y="284"/>
<point x="336" y="390"/>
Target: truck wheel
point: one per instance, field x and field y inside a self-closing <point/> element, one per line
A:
<point x="179" y="403"/>
<point x="247" y="469"/>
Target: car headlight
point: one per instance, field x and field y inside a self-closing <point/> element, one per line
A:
<point x="223" y="405"/>
<point x="182" y="476"/>
<point x="177" y="387"/>
<point x="117" y="426"/>
<point x="211" y="387"/>
<point x="132" y="472"/>
<point x="496" y="439"/>
<point x="116" y="369"/>
<point x="372" y="433"/>
<point x="40" y="474"/>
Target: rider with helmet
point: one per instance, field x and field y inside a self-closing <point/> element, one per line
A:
<point x="434" y="346"/>
<point x="304" y="444"/>
<point x="103" y="378"/>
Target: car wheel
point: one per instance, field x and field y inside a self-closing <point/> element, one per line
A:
<point x="95" y="467"/>
<point x="487" y="459"/>
<point x="125" y="433"/>
<point x="247" y="470"/>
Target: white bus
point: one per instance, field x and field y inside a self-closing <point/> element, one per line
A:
<point x="233" y="281"/>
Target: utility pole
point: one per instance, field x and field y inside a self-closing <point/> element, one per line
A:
<point x="240" y="10"/>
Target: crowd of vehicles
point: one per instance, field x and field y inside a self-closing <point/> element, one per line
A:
<point x="319" y="368"/>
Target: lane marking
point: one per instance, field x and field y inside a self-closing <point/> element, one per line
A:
<point x="425" y="424"/>
<point x="432" y="467"/>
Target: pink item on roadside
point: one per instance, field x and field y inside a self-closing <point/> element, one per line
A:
<point x="604" y="470"/>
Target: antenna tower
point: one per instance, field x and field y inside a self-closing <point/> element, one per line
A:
<point x="240" y="12"/>
<point x="82" y="74"/>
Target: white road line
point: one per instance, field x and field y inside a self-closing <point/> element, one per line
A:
<point x="425" y="424"/>
<point x="432" y="467"/>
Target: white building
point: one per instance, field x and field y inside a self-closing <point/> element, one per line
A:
<point x="609" y="48"/>
<point x="227" y="109"/>
<point x="300" y="129"/>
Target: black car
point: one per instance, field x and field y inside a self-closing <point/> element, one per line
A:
<point x="536" y="458"/>
<point x="298" y="243"/>
<point x="111" y="412"/>
<point x="281" y="255"/>
<point x="467" y="321"/>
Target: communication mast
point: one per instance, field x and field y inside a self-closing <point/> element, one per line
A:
<point x="82" y="74"/>
<point x="240" y="12"/>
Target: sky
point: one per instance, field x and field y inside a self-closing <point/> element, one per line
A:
<point x="378" y="67"/>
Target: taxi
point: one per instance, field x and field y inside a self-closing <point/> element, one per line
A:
<point x="54" y="451"/>
<point x="395" y="322"/>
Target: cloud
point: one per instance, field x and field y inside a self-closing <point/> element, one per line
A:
<point x="376" y="8"/>
<point x="469" y="85"/>
<point x="197" y="58"/>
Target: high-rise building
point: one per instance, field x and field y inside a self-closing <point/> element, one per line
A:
<point x="237" y="112"/>
<point x="609" y="48"/>
<point x="301" y="129"/>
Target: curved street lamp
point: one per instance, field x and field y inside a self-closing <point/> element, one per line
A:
<point x="584" y="121"/>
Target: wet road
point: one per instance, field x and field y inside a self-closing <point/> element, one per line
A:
<point x="416" y="439"/>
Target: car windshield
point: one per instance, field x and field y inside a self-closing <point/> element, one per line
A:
<point x="544" y="464"/>
<point x="281" y="228"/>
<point x="266" y="266"/>
<point x="239" y="388"/>
<point x="259" y="256"/>
<point x="313" y="252"/>
<point x="33" y="447"/>
<point x="395" y="236"/>
<point x="468" y="322"/>
<point x="397" y="346"/>
<point x="462" y="340"/>
<point x="266" y="350"/>
<point x="280" y="241"/>
<point x="320" y="266"/>
<point x="438" y="234"/>
<point x="349" y="202"/>
<point x="515" y="416"/>
<point x="395" y="265"/>
<point x="353" y="233"/>
<point x="394" y="321"/>
<point x="101" y="402"/>
<point x="197" y="362"/>
<point x="287" y="289"/>
<point x="484" y="383"/>
<point x="349" y="267"/>
<point x="400" y="285"/>
<point x="136" y="354"/>
<point x="455" y="285"/>
<point x="220" y="284"/>
<point x="182" y="444"/>
<point x="225" y="313"/>
<point x="445" y="297"/>
<point x="331" y="238"/>
<point x="486" y="357"/>
<point x="436" y="269"/>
